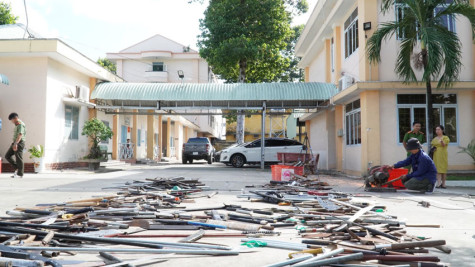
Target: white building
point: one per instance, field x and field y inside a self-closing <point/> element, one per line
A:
<point x="50" y="83"/>
<point x="365" y="122"/>
<point x="158" y="59"/>
<point x="161" y="60"/>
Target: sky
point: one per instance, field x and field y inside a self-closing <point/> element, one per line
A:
<point x="96" y="27"/>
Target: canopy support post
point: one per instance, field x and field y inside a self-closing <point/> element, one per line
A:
<point x="263" y="134"/>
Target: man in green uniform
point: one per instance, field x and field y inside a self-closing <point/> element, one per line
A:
<point x="19" y="137"/>
<point x="415" y="133"/>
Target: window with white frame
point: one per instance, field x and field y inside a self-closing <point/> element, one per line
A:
<point x="71" y="122"/>
<point x="412" y="108"/>
<point x="351" y="34"/>
<point x="447" y="21"/>
<point x="400" y="9"/>
<point x="353" y="123"/>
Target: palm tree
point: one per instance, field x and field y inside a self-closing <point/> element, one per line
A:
<point x="425" y="41"/>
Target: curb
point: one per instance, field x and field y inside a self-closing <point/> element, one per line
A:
<point x="460" y="183"/>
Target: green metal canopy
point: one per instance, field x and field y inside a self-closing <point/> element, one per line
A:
<point x="212" y="95"/>
<point x="4" y="79"/>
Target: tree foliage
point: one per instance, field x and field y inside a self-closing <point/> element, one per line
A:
<point x="6" y="16"/>
<point x="245" y="41"/>
<point x="248" y="35"/>
<point x="97" y="131"/>
<point x="426" y="43"/>
<point x="107" y="64"/>
<point x="422" y="26"/>
<point x="293" y="73"/>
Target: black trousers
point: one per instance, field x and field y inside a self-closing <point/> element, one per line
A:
<point x="18" y="163"/>
<point x="419" y="185"/>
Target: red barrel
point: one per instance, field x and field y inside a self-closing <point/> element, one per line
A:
<point x="396" y="173"/>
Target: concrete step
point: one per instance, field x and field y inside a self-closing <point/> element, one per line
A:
<point x="115" y="164"/>
<point x="145" y="161"/>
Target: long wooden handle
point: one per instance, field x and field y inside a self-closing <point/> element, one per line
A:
<point x="444" y="249"/>
<point x="420" y="244"/>
<point x="392" y="181"/>
<point x="424" y="225"/>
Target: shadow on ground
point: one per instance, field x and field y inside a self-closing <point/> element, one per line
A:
<point x="220" y="178"/>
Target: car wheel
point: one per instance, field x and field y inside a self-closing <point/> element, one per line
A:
<point x="183" y="160"/>
<point x="238" y="161"/>
<point x="210" y="160"/>
<point x="190" y="161"/>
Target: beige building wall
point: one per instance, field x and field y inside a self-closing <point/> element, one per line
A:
<point x="352" y="154"/>
<point x="318" y="128"/>
<point x="393" y="151"/>
<point x="138" y="70"/>
<point x="61" y="82"/>
<point x="322" y="125"/>
<point x="389" y="132"/>
<point x="349" y="65"/>
<point x="32" y="110"/>
<point x="253" y="127"/>
<point x="317" y="70"/>
<point x="379" y="110"/>
<point x="135" y="64"/>
<point x="391" y="46"/>
<point x="44" y="74"/>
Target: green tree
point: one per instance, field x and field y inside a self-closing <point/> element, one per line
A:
<point x="107" y="64"/>
<point x="6" y="16"/>
<point x="244" y="40"/>
<point x="293" y="73"/>
<point x="426" y="43"/>
<point x="97" y="131"/>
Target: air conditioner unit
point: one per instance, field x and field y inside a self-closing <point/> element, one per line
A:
<point x="345" y="82"/>
<point x="82" y="92"/>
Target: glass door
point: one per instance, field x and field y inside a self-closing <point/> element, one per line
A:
<point x="123" y="134"/>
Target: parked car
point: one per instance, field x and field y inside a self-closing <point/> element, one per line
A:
<point x="217" y="155"/>
<point x="197" y="148"/>
<point x="250" y="153"/>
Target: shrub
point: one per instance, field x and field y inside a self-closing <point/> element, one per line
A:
<point x="36" y="151"/>
<point x="470" y="150"/>
<point x="97" y="131"/>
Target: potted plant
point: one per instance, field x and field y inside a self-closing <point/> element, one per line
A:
<point x="37" y="154"/>
<point x="97" y="131"/>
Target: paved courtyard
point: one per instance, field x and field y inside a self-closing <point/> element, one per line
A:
<point x="452" y="209"/>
